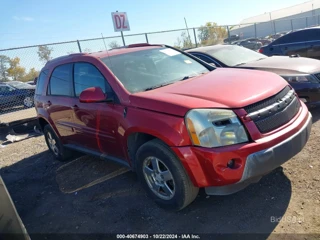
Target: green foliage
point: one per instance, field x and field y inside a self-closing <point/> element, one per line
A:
<point x="44" y="53"/>
<point x="4" y="65"/>
<point x="211" y="34"/>
<point x="184" y="41"/>
<point x="15" y="71"/>
<point x="114" y="44"/>
<point x="31" y="75"/>
<point x="87" y="50"/>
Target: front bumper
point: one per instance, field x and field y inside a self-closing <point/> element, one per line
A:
<point x="208" y="167"/>
<point x="264" y="161"/>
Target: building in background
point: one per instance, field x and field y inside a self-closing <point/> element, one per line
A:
<point x="287" y="19"/>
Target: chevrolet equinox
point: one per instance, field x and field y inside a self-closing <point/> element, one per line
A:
<point x="178" y="122"/>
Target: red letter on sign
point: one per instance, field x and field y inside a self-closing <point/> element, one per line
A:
<point x="118" y="21"/>
<point x="123" y="20"/>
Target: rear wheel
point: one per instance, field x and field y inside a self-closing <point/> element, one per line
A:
<point x="163" y="176"/>
<point x="54" y="144"/>
<point x="28" y="101"/>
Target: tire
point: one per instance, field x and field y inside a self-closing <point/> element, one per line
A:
<point x="28" y="101"/>
<point x="60" y="153"/>
<point x="183" y="192"/>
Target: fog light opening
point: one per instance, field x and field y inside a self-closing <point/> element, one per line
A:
<point x="231" y="164"/>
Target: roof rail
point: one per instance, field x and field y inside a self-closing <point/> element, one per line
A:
<point x="142" y="45"/>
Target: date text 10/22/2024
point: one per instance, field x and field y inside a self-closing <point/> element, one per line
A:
<point x="158" y="236"/>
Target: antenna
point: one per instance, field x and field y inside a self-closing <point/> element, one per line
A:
<point x="104" y="42"/>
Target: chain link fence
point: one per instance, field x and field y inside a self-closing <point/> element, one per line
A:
<point x="24" y="63"/>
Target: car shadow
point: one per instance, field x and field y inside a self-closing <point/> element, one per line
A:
<point x="118" y="204"/>
<point x="315" y="111"/>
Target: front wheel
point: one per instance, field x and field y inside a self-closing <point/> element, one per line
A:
<point x="163" y="176"/>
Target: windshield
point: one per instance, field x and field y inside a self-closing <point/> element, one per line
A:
<point x="19" y="84"/>
<point x="147" y="69"/>
<point x="235" y="55"/>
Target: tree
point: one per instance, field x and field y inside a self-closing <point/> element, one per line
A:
<point x="114" y="44"/>
<point x="87" y="50"/>
<point x="4" y="63"/>
<point x="183" y="41"/>
<point x="15" y="70"/>
<point x="211" y="34"/>
<point x="44" y="53"/>
<point x="31" y="75"/>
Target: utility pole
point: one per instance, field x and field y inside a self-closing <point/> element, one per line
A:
<point x="187" y="29"/>
<point x="124" y="43"/>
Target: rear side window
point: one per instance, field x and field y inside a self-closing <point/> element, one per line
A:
<point x="41" y="81"/>
<point x="86" y="75"/>
<point x="61" y="81"/>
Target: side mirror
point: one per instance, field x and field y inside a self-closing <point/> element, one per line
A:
<point x="92" y="95"/>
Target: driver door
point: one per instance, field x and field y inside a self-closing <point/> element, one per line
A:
<point x="95" y="124"/>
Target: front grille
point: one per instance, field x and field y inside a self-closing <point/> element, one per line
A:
<point x="318" y="75"/>
<point x="275" y="111"/>
<point x="267" y="102"/>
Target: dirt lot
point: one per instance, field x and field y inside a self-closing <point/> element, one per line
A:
<point x="88" y="195"/>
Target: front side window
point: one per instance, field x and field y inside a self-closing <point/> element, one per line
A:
<point x="61" y="81"/>
<point x="203" y="58"/>
<point x="151" y="68"/>
<point x="293" y="37"/>
<point x="312" y="35"/>
<point x="86" y="75"/>
<point x="5" y="89"/>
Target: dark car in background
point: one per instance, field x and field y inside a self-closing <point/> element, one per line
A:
<point x="305" y="43"/>
<point x="15" y="94"/>
<point x="302" y="73"/>
<point x="232" y="38"/>
<point x="251" y="44"/>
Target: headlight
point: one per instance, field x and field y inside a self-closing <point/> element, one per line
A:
<point x="215" y="127"/>
<point x="300" y="78"/>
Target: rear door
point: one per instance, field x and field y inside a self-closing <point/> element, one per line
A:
<point x="59" y="100"/>
<point x="96" y="124"/>
<point x="313" y="43"/>
<point x="290" y="44"/>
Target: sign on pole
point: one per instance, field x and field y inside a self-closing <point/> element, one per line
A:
<point x="120" y="21"/>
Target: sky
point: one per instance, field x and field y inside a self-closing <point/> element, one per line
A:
<point x="36" y="22"/>
<point x="32" y="22"/>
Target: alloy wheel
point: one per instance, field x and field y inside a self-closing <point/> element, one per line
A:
<point x="52" y="144"/>
<point x="159" y="178"/>
<point x="28" y="101"/>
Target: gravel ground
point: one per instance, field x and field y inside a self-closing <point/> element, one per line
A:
<point x="88" y="195"/>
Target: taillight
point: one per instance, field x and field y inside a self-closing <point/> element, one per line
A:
<point x="261" y="50"/>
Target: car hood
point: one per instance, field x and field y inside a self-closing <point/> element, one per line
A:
<point x="285" y="65"/>
<point x="221" y="88"/>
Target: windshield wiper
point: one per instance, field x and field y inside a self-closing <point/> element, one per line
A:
<point x="157" y="86"/>
<point x="239" y="64"/>
<point x="191" y="76"/>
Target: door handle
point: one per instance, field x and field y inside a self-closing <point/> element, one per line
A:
<point x="75" y="107"/>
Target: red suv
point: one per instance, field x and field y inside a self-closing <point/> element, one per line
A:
<point x="176" y="121"/>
